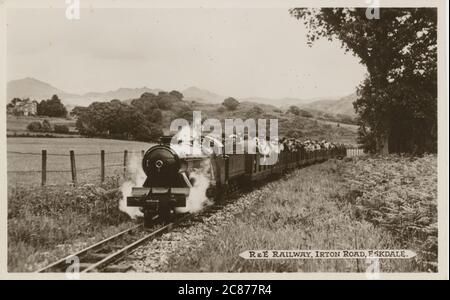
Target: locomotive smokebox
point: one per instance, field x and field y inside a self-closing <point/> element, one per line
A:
<point x="163" y="167"/>
<point x="160" y="160"/>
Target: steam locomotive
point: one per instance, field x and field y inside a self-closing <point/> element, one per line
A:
<point x="169" y="173"/>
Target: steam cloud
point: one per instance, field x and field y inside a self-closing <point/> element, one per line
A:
<point x="197" y="199"/>
<point x="195" y="202"/>
<point x="138" y="177"/>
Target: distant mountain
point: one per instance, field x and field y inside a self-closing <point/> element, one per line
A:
<point x="342" y="106"/>
<point x="34" y="89"/>
<point x="279" y="102"/>
<point x="120" y="94"/>
<point x="39" y="90"/>
<point x="201" y="95"/>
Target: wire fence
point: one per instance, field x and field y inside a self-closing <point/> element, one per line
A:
<point x="62" y="168"/>
<point x="46" y="168"/>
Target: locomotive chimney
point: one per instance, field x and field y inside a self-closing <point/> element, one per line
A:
<point x="165" y="139"/>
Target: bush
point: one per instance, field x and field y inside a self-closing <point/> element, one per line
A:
<point x="61" y="129"/>
<point x="254" y="113"/>
<point x="399" y="194"/>
<point x="46" y="127"/>
<point x="305" y="114"/>
<point x="230" y="103"/>
<point x="221" y="109"/>
<point x="294" y="110"/>
<point x="35" y="126"/>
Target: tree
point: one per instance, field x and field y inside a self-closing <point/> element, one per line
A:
<point x="77" y="110"/>
<point x="35" y="126"/>
<point x="61" y="128"/>
<point x="163" y="101"/>
<point x="397" y="102"/>
<point x="119" y="120"/>
<point x="294" y="110"/>
<point x="13" y="102"/>
<point x="305" y="114"/>
<point x="177" y="94"/>
<point x="51" y="108"/>
<point x="166" y="100"/>
<point x="255" y="112"/>
<point x="230" y="103"/>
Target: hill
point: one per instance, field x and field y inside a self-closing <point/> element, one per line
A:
<point x="39" y="90"/>
<point x="201" y="95"/>
<point x="342" y="106"/>
<point x="34" y="89"/>
<point x="120" y="94"/>
<point x="289" y="125"/>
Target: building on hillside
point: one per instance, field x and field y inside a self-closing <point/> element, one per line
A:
<point x="24" y="107"/>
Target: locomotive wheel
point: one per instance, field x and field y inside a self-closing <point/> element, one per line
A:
<point x="165" y="212"/>
<point x="220" y="196"/>
<point x="232" y="188"/>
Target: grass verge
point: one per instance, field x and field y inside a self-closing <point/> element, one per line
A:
<point x="312" y="208"/>
<point x="45" y="224"/>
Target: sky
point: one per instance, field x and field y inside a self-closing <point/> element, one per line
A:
<point x="234" y="52"/>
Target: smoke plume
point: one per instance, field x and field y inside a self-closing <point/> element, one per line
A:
<point x="197" y="199"/>
<point x="136" y="179"/>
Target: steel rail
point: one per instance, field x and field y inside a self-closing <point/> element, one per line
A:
<point x="125" y="251"/>
<point x="62" y="263"/>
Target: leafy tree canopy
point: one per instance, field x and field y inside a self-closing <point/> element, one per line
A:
<point x="52" y="108"/>
<point x="230" y="103"/>
<point x="397" y="102"/>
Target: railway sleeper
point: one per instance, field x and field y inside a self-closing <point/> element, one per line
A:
<point x="84" y="265"/>
<point x="117" y="269"/>
<point x="94" y="257"/>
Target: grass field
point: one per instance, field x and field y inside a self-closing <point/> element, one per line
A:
<point x="18" y="124"/>
<point x="24" y="169"/>
<point x="326" y="207"/>
<point x="46" y="224"/>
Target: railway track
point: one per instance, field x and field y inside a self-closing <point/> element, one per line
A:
<point x="103" y="256"/>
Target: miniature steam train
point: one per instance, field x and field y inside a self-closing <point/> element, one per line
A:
<point x="169" y="181"/>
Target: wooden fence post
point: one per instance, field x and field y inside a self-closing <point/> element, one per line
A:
<point x="102" y="165"/>
<point x="73" y="168"/>
<point x="125" y="160"/>
<point x="44" y="168"/>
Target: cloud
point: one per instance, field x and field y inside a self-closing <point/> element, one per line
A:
<point x="239" y="52"/>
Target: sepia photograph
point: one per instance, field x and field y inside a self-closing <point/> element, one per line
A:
<point x="146" y="139"/>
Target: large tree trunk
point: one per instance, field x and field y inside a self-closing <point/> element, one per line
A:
<point x="385" y="149"/>
<point x="383" y="145"/>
